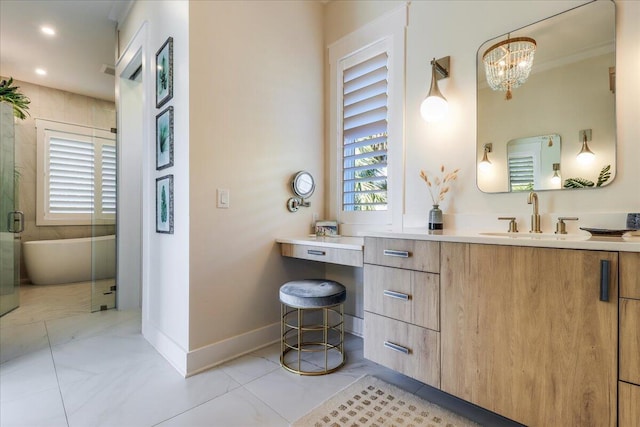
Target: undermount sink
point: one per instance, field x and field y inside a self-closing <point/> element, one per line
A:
<point x="538" y="236"/>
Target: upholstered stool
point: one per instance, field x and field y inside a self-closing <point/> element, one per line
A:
<point x="321" y="334"/>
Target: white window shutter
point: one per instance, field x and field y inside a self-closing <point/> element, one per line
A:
<point x="521" y="173"/>
<point x="365" y="135"/>
<point x="108" y="179"/>
<point x="71" y="176"/>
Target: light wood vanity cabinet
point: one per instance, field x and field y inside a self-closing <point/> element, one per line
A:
<point x="521" y="331"/>
<point x="402" y="306"/>
<point x="629" y="373"/>
<point x="525" y="335"/>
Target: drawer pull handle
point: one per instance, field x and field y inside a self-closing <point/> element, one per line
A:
<point x="314" y="252"/>
<point x="400" y="254"/>
<point x="397" y="295"/>
<point x="396" y="347"/>
<point x="604" y="279"/>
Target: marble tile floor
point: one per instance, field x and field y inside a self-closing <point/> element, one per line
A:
<point x="97" y="370"/>
<point x="48" y="302"/>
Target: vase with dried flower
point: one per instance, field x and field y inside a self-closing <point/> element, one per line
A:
<point x="438" y="187"/>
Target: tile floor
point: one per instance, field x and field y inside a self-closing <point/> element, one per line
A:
<point x="96" y="369"/>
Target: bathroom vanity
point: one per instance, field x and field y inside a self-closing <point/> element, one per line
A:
<point x="527" y="331"/>
<point x="544" y="330"/>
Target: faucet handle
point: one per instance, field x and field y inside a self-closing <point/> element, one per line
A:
<point x="513" y="225"/>
<point x="561" y="226"/>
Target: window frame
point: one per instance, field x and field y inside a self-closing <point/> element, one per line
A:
<point x="45" y="131"/>
<point x="385" y="34"/>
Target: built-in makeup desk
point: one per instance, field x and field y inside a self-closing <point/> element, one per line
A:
<point x="334" y="250"/>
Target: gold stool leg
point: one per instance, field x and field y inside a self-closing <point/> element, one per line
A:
<point x="325" y="337"/>
<point x="300" y="337"/>
<point x="342" y="333"/>
<point x="282" y="337"/>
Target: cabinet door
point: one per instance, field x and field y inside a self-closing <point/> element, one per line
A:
<point x="524" y="333"/>
<point x="630" y="340"/>
<point x="630" y="275"/>
<point x="629" y="408"/>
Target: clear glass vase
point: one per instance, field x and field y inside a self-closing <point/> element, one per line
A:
<point x="435" y="218"/>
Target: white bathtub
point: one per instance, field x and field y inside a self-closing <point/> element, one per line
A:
<point x="50" y="262"/>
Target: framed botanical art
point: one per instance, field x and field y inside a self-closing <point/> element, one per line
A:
<point x="164" y="139"/>
<point x="164" y="204"/>
<point x="164" y="73"/>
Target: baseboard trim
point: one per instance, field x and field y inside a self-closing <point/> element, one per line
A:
<point x="206" y="357"/>
<point x="167" y="348"/>
<point x="203" y="358"/>
<point x="354" y="325"/>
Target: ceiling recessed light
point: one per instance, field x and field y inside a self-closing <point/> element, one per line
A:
<point x="48" y="30"/>
<point x="41" y="72"/>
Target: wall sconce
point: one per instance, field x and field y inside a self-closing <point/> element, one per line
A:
<point x="585" y="155"/>
<point x="435" y="106"/>
<point x="485" y="163"/>
<point x="555" y="179"/>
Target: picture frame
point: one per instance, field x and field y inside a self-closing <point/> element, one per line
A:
<point x="164" y="73"/>
<point x="164" y="204"/>
<point x="164" y="139"/>
<point x="327" y="228"/>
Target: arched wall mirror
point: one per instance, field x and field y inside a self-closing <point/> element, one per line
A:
<point x="567" y="102"/>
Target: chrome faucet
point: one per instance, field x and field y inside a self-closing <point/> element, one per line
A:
<point x="535" y="217"/>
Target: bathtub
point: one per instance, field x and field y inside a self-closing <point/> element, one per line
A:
<point x="50" y="262"/>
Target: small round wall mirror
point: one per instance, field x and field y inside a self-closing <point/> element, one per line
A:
<point x="303" y="184"/>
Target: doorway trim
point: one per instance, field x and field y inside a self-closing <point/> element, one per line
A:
<point x="133" y="64"/>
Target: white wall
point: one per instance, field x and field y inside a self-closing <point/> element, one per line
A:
<point x="458" y="28"/>
<point x="255" y="119"/>
<point x="165" y="300"/>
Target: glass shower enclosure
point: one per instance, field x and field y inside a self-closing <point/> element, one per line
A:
<point x="11" y="220"/>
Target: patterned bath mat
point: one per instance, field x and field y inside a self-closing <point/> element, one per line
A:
<point x="371" y="402"/>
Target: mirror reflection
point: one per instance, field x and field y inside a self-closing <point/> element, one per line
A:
<point x="530" y="163"/>
<point x="537" y="122"/>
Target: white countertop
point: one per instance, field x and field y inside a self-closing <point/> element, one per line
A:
<point x="546" y="240"/>
<point x="342" y="242"/>
<point x="569" y="241"/>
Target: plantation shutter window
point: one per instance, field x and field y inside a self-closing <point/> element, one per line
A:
<point x="71" y="172"/>
<point x="76" y="182"/>
<point x="365" y="132"/>
<point x="109" y="179"/>
<point x="521" y="173"/>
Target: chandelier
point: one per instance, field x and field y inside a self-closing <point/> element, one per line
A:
<point x="507" y="64"/>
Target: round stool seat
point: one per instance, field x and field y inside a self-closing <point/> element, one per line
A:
<point x="312" y="293"/>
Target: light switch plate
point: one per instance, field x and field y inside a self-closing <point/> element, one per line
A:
<point x="223" y="198"/>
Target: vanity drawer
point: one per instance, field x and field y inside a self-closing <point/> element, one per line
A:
<point x="629" y="364"/>
<point x="406" y="348"/>
<point x="630" y="274"/>
<point x="322" y="254"/>
<point x="407" y="295"/>
<point x="418" y="255"/>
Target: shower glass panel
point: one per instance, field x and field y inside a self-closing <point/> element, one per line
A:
<point x="103" y="227"/>
<point x="11" y="220"/>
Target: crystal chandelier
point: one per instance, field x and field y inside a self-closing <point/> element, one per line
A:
<point x="507" y="64"/>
